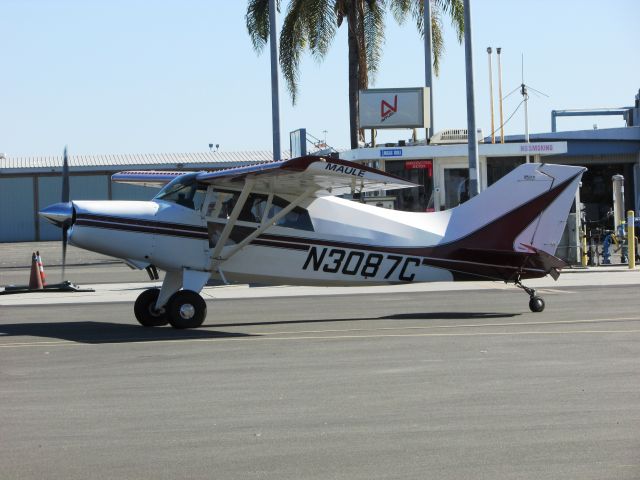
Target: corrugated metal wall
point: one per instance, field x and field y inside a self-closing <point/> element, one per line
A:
<point x="17" y="223"/>
<point x="18" y="215"/>
<point x="126" y="191"/>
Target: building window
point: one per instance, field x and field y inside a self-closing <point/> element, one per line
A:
<point x="498" y="167"/>
<point x="419" y="199"/>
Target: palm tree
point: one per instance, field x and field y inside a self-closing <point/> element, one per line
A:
<point x="312" y="24"/>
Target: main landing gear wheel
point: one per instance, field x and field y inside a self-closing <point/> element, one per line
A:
<point x="536" y="304"/>
<point x="145" y="311"/>
<point x="186" y="309"/>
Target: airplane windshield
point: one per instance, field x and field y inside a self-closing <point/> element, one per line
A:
<point x="183" y="190"/>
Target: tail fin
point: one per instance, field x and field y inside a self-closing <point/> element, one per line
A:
<point x="525" y="211"/>
<point x="511" y="230"/>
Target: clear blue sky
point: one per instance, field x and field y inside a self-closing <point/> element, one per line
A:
<point x="116" y="76"/>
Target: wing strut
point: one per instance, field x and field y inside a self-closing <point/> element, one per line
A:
<point x="216" y="259"/>
<point x="231" y="221"/>
<point x="272" y="221"/>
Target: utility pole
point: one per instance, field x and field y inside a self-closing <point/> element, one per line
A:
<point x="500" y="95"/>
<point x="471" y="109"/>
<point x="428" y="63"/>
<point x="493" y="130"/>
<point x="275" y="102"/>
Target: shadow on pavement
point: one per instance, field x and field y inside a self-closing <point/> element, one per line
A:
<point x="449" y="316"/>
<point x="398" y="316"/>
<point x="104" y="332"/>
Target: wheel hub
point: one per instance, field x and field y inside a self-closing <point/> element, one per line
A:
<point x="187" y="311"/>
<point x="155" y="312"/>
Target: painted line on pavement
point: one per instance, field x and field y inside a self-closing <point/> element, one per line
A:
<point x="431" y="327"/>
<point x="326" y="337"/>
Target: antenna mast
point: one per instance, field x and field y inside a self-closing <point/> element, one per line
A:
<point x="524" y="89"/>
<point x="525" y="96"/>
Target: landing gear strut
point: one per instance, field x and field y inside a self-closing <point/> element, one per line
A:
<point x="536" y="304"/>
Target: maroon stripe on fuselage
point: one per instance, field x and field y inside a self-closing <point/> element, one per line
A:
<point x="142" y="228"/>
<point x="141" y="222"/>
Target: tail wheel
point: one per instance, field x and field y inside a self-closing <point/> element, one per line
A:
<point x="536" y="304"/>
<point x="145" y="309"/>
<point x="186" y="309"/>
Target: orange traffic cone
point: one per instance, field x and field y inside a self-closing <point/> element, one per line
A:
<point x="41" y="269"/>
<point x="35" y="280"/>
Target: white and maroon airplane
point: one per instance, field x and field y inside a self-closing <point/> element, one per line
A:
<point x="284" y="223"/>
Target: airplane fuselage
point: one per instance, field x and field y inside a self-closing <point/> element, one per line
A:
<point x="174" y="237"/>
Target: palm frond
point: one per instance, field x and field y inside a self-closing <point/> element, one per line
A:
<point x="373" y="35"/>
<point x="320" y="25"/>
<point x="401" y="9"/>
<point x="455" y="10"/>
<point x="292" y="43"/>
<point x="437" y="39"/>
<point x="257" y="22"/>
<point x="340" y="9"/>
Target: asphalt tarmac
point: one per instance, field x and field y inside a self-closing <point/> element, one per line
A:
<point x="397" y="384"/>
<point x="82" y="266"/>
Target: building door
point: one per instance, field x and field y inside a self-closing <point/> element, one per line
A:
<point x="455" y="186"/>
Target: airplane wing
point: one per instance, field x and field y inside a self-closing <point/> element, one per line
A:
<point x="147" y="178"/>
<point x="326" y="176"/>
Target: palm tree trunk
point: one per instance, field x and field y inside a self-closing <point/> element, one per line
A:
<point x="354" y="72"/>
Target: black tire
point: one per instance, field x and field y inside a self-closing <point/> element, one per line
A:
<point x="186" y="309"/>
<point x="144" y="309"/>
<point x="536" y="304"/>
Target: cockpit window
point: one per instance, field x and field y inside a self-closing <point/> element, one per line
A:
<point x="184" y="190"/>
<point x="254" y="210"/>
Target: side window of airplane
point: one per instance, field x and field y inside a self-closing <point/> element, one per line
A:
<point x="224" y="203"/>
<point x="198" y="196"/>
<point x="254" y="208"/>
<point x="184" y="191"/>
<point x="297" y="218"/>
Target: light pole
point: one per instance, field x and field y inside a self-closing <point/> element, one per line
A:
<point x="500" y="95"/>
<point x="471" y="109"/>
<point x="428" y="70"/>
<point x="275" y="102"/>
<point x="493" y="130"/>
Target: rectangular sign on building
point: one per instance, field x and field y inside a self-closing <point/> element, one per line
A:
<point x="394" y="108"/>
<point x="420" y="165"/>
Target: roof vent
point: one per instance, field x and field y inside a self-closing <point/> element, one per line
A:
<point x="454" y="135"/>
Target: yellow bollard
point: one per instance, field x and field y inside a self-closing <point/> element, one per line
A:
<point x="631" y="239"/>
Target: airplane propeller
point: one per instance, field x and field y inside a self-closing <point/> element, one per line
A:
<point x="62" y="214"/>
<point x="65" y="199"/>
